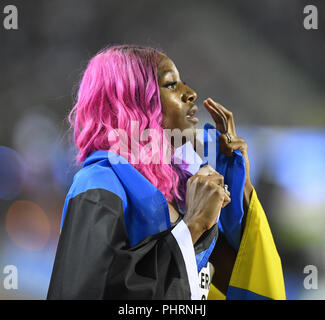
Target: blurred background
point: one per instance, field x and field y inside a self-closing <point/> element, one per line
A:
<point x="254" y="57"/>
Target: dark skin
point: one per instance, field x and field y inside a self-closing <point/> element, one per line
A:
<point x="205" y="193"/>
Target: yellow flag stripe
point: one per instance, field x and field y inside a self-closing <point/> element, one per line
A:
<point x="258" y="266"/>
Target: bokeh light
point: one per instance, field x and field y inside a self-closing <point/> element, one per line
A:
<point x="12" y="173"/>
<point x="254" y="57"/>
<point x="33" y="137"/>
<point x="27" y="225"/>
<point x="63" y="165"/>
<point x="296" y="159"/>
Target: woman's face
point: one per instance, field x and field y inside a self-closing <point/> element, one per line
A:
<point x="177" y="99"/>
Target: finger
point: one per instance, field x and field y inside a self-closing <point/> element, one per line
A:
<point x="228" y="148"/>
<point x="217" y="105"/>
<point x="207" y="170"/>
<point x="227" y="193"/>
<point x="228" y="114"/>
<point x="238" y="145"/>
<point x="217" y="116"/>
<point x="224" y="139"/>
<point x="226" y="201"/>
<point x="191" y="180"/>
<point x="216" y="178"/>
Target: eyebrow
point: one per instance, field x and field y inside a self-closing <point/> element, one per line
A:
<point x="164" y="72"/>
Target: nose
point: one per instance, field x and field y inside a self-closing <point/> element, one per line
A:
<point x="189" y="95"/>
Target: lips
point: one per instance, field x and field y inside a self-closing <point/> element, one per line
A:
<point x="191" y="113"/>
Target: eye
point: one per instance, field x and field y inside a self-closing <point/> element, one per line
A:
<point x="171" y="85"/>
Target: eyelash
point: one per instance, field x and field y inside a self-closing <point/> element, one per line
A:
<point x="173" y="84"/>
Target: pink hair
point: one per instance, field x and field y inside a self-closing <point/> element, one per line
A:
<point x="120" y="84"/>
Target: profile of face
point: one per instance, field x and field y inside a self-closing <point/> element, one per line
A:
<point x="177" y="99"/>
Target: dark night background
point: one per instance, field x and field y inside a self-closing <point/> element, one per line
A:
<point x="254" y="57"/>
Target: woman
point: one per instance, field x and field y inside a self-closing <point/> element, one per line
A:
<point x="135" y="225"/>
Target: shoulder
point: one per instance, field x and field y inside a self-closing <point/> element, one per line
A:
<point x="97" y="179"/>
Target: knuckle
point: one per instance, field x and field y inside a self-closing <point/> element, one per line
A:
<point x="208" y="167"/>
<point x="201" y="180"/>
<point x="211" y="184"/>
<point x="217" y="174"/>
<point x="222" y="138"/>
<point x="217" y="188"/>
<point x="220" y="178"/>
<point x="243" y="142"/>
<point x="219" y="192"/>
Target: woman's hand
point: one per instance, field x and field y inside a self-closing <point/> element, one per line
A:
<point x="205" y="197"/>
<point x="224" y="256"/>
<point x="224" y="122"/>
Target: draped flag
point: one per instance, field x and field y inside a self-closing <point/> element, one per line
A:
<point x="128" y="219"/>
<point x="257" y="273"/>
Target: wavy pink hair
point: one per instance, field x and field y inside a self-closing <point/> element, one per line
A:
<point x="120" y="84"/>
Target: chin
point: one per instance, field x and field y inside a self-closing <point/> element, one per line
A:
<point x="190" y="126"/>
